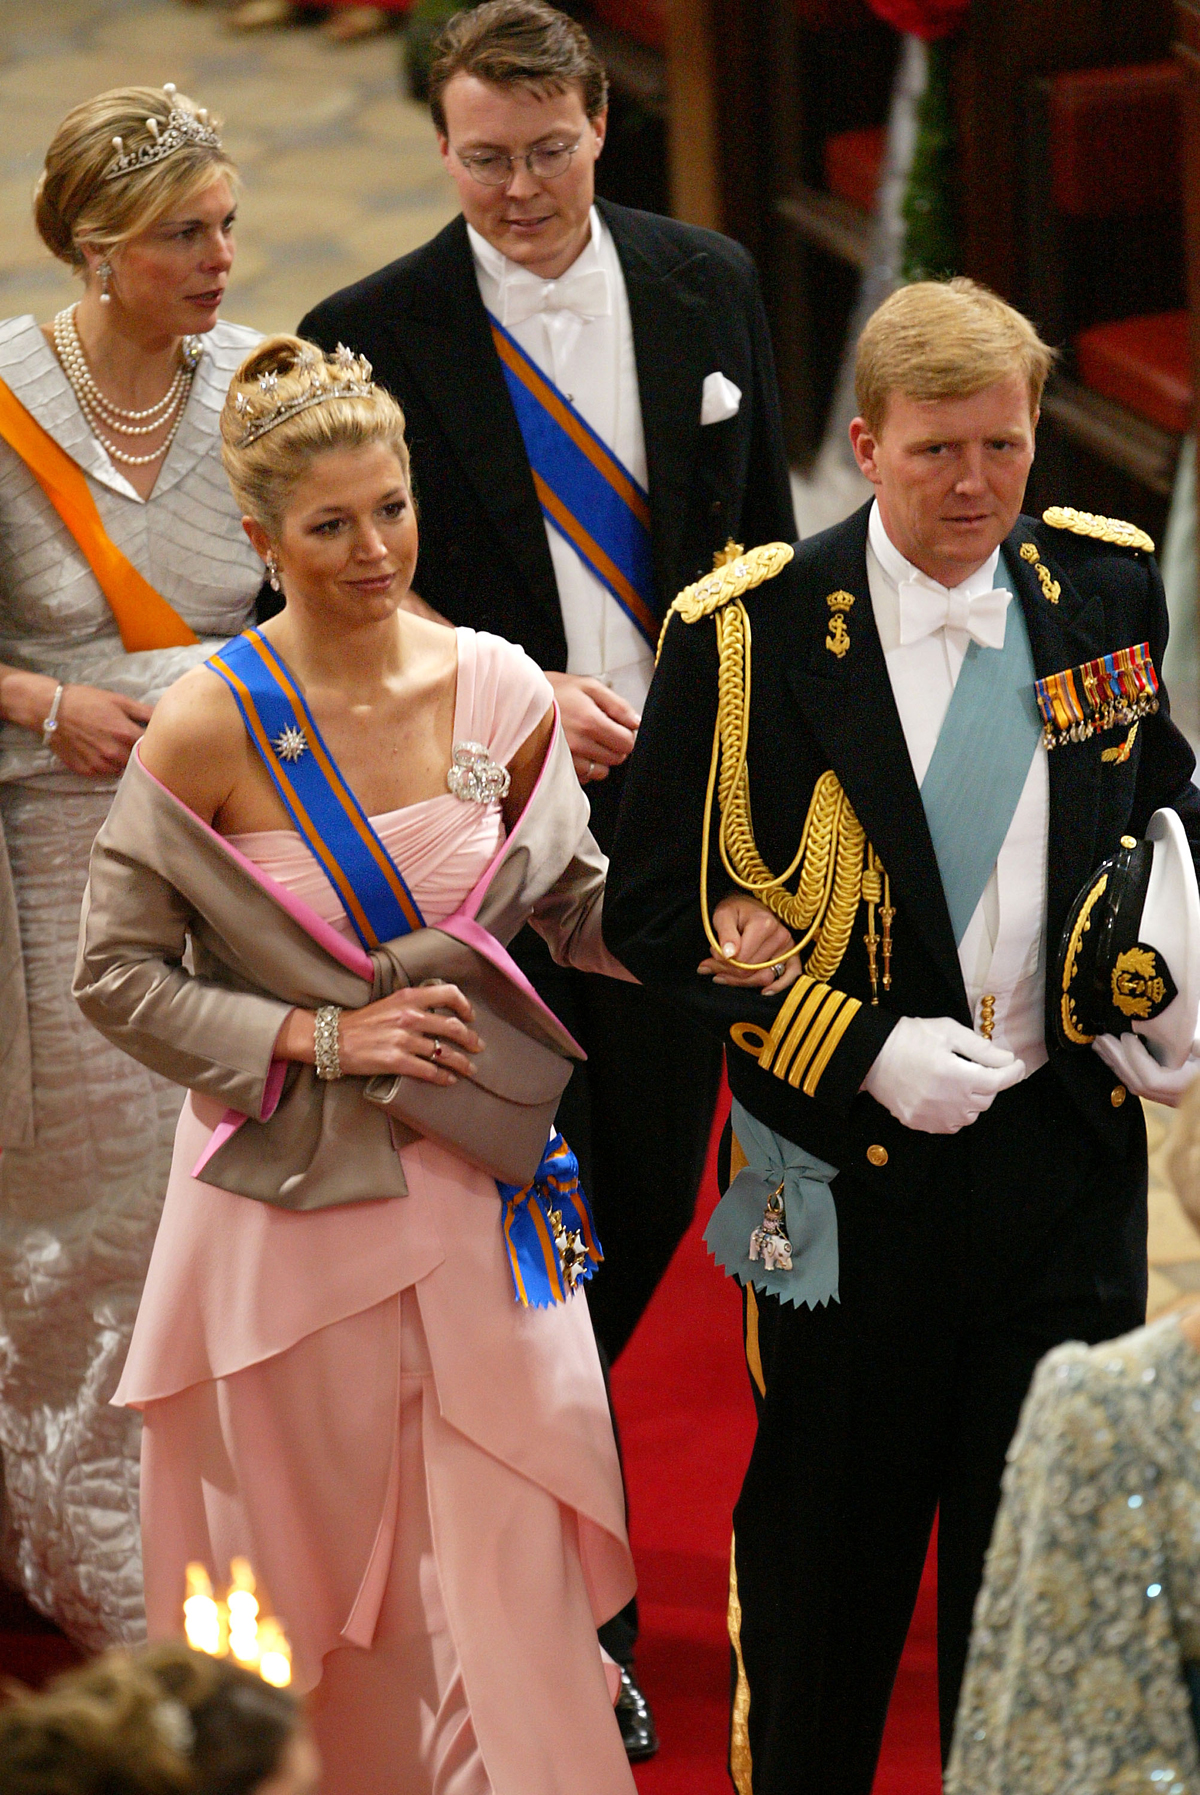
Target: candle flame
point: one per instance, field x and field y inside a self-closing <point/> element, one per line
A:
<point x="235" y="1625"/>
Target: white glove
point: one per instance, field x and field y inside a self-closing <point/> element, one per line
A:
<point x="1139" y="1071"/>
<point x="937" y="1076"/>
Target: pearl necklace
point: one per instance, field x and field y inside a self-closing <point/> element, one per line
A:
<point x="103" y="416"/>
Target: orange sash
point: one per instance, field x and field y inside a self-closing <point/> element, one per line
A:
<point x="144" y="617"/>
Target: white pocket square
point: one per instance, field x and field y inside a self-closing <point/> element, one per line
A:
<point x="719" y="400"/>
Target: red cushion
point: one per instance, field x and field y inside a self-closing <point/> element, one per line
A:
<point x="1142" y="363"/>
<point x="645" y="20"/>
<point x="853" y="160"/>
<point x="1114" y="140"/>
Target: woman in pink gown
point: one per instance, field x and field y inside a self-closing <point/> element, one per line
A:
<point x="420" y="1469"/>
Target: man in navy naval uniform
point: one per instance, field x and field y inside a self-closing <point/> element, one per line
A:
<point x="592" y="412"/>
<point x="959" y="1192"/>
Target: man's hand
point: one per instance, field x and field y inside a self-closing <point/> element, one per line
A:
<point x="600" y="727"/>
<point x="749" y="931"/>
<point x="1139" y="1071"/>
<point x="934" y="1075"/>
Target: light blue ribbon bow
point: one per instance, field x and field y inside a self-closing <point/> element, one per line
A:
<point x="810" y="1217"/>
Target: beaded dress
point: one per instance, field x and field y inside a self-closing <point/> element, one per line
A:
<point x="79" y="1201"/>
<point x="1087" y="1628"/>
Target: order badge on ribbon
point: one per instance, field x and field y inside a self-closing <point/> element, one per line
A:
<point x="776" y="1225"/>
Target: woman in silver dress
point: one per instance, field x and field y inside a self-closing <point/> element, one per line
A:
<point x="1084" y="1673"/>
<point x="122" y="565"/>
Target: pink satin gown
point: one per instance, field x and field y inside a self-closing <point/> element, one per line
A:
<point x="422" y="1472"/>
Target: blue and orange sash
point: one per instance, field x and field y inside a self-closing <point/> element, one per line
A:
<point x="548" y="1230"/>
<point x="584" y="491"/>
<point x="320" y="803"/>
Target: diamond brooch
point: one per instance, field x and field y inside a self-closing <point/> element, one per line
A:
<point x="474" y="777"/>
<point x="290" y="744"/>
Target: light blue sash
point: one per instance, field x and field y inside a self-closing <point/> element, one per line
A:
<point x="810" y="1218"/>
<point x="987" y="741"/>
<point x="588" y="495"/>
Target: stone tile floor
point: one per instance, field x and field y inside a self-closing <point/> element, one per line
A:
<point x="341" y="175"/>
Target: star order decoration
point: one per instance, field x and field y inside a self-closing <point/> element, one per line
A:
<point x="290" y="743"/>
<point x="572" y="1253"/>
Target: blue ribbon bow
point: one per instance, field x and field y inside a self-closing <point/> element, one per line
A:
<point x="810" y="1218"/>
<point x="548" y="1229"/>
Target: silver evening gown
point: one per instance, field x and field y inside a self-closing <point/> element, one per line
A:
<point x="88" y="1136"/>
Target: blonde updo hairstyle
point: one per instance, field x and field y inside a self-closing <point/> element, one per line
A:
<point x="74" y="206"/>
<point x="264" y="472"/>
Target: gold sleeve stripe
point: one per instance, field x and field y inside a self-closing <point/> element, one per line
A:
<point x="804" y="1036"/>
<point x="838" y="1028"/>
<point x="818" y="994"/>
<point x="834" y="1001"/>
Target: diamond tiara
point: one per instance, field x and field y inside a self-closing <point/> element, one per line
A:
<point x="182" y="127"/>
<point x="356" y="385"/>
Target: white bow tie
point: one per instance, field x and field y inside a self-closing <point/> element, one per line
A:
<point x="586" y="294"/>
<point x="926" y="606"/>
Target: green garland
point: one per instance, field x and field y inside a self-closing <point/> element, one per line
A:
<point x="930" y="210"/>
<point x="422" y="27"/>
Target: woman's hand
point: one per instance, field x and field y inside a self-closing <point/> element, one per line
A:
<point x="400" y="1034"/>
<point x="749" y="931"/>
<point x="96" y="729"/>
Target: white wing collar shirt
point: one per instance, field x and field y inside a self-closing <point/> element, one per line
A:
<point x="924" y="629"/>
<point x="578" y="331"/>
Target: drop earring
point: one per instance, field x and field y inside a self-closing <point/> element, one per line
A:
<point x="273" y="574"/>
<point x="105" y="272"/>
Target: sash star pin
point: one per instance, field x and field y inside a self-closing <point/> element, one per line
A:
<point x="290" y="744"/>
<point x="571" y="1250"/>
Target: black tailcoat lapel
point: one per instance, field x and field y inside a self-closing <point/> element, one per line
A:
<point x="848" y="705"/>
<point x="664" y="284"/>
<point x="445" y="338"/>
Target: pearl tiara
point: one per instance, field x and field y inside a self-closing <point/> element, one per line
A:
<point x="182" y="128"/>
<point x="344" y="375"/>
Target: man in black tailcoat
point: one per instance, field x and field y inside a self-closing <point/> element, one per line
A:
<point x="988" y="1183"/>
<point x="653" y="336"/>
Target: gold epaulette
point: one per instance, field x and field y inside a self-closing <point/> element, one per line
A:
<point x="729" y="581"/>
<point x="1103" y="529"/>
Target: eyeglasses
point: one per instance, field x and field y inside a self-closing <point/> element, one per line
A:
<point x="547" y="162"/>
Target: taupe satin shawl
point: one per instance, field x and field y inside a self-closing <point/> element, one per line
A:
<point x="190" y="959"/>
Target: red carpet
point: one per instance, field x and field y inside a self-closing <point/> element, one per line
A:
<point x="687" y="1424"/>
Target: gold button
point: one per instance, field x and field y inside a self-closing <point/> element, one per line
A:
<point x="1129" y="841"/>
<point x="1117" y="1095"/>
<point x="878" y="1156"/>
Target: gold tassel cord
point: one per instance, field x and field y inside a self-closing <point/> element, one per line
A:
<point x="832" y="844"/>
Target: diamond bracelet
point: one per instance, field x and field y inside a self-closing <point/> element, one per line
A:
<point x="325" y="1041"/>
<point x="51" y="723"/>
